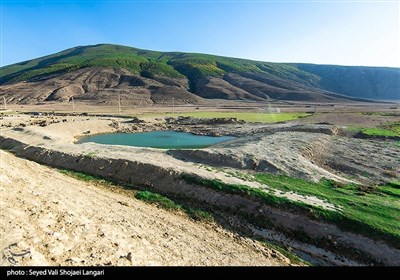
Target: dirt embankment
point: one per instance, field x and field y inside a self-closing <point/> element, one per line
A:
<point x="48" y="218"/>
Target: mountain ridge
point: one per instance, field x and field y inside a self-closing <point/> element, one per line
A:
<point x="200" y="76"/>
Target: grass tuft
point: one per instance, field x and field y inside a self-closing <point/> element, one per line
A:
<point x="158" y="199"/>
<point x="166" y="203"/>
<point x="84" y="176"/>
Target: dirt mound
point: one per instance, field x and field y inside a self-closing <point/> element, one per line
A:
<point x="65" y="94"/>
<point x="357" y="157"/>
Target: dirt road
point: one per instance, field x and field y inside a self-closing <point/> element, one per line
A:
<point x="48" y="218"/>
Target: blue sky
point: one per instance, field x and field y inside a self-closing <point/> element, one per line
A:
<point x="322" y="32"/>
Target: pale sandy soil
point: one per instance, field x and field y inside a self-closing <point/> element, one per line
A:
<point x="48" y="218"/>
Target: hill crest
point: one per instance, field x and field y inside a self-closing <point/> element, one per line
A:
<point x="189" y="77"/>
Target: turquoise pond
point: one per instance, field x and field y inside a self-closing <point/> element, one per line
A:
<point x="157" y="139"/>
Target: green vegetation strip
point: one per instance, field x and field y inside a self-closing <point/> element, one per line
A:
<point x="245" y="116"/>
<point x="147" y="196"/>
<point x="372" y="213"/>
<point x="86" y="177"/>
<point x="387" y="130"/>
<point x="166" y="203"/>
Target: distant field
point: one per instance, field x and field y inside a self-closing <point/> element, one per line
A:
<point x="387" y="130"/>
<point x="245" y="116"/>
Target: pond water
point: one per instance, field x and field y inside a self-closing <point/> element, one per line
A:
<point x="157" y="139"/>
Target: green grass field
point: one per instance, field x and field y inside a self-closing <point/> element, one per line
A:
<point x="376" y="131"/>
<point x="388" y="130"/>
<point x="245" y="116"/>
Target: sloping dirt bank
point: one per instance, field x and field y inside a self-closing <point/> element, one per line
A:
<point x="48" y="218"/>
<point x="168" y="181"/>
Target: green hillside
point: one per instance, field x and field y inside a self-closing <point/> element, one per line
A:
<point x="363" y="82"/>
